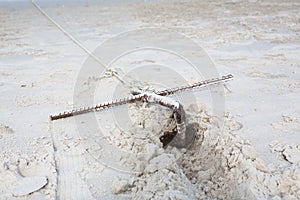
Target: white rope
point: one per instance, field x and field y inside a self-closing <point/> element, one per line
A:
<point x="69" y="35"/>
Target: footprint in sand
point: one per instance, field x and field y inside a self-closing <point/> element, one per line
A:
<point x="25" y="184"/>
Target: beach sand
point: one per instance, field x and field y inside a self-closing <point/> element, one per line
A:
<point x="256" y="155"/>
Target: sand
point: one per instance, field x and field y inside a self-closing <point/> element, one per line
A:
<point x="256" y="155"/>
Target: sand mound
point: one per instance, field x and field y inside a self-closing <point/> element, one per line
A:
<point x="219" y="165"/>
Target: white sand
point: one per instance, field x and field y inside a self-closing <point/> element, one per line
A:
<point x="256" y="156"/>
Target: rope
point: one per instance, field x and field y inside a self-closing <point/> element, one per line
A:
<point x="71" y="37"/>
